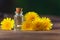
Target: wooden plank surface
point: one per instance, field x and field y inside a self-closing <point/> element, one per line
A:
<point x="30" y="35"/>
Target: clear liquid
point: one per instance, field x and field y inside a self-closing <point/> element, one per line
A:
<point x="18" y="21"/>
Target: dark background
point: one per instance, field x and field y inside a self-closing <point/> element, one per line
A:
<point x="6" y="5"/>
<point x="45" y="7"/>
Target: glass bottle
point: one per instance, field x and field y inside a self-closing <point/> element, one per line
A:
<point x="18" y="17"/>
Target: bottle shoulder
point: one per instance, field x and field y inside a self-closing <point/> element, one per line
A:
<point x="20" y="14"/>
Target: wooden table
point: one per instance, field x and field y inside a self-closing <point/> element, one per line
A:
<point x="30" y="35"/>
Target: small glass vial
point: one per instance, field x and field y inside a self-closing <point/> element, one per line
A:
<point x="18" y="17"/>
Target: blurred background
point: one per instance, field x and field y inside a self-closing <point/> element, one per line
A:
<point x="48" y="7"/>
<point x="51" y="7"/>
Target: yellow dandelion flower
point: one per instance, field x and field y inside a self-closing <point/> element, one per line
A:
<point x="37" y="23"/>
<point x="7" y="24"/>
<point x="47" y="23"/>
<point x="30" y="16"/>
<point x="34" y="22"/>
<point x="42" y="24"/>
<point x="27" y="25"/>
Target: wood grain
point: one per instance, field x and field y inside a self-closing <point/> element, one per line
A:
<point x="30" y="35"/>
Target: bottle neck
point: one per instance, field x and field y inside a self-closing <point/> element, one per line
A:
<point x="21" y="13"/>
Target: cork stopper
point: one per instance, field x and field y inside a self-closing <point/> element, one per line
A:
<point x="18" y="10"/>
